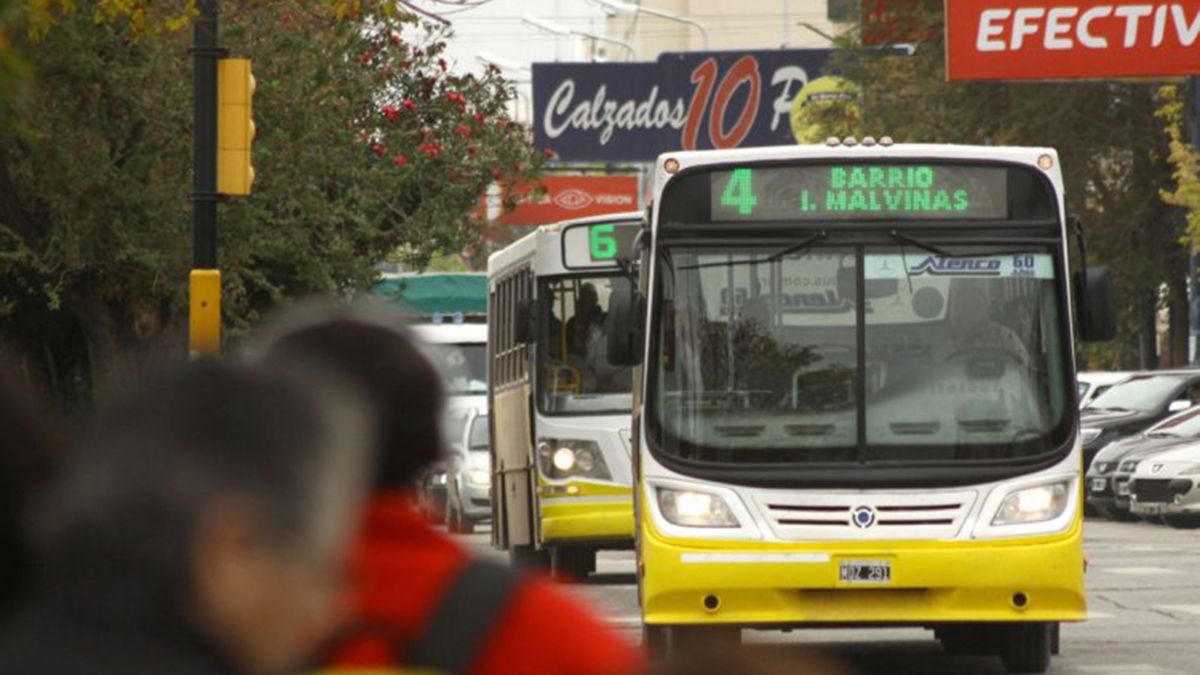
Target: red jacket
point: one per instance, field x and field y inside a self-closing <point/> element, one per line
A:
<point x="401" y="566"/>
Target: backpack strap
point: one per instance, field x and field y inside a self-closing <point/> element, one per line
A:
<point x="463" y="619"/>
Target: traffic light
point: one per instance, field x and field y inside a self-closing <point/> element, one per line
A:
<point x="235" y="126"/>
<point x="204" y="313"/>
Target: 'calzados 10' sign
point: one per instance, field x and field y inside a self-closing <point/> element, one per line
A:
<point x="692" y="100"/>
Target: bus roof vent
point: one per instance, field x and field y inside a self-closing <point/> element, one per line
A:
<point x="832" y="141"/>
<point x="849" y="141"/>
<point x="886" y="141"/>
<point x="868" y="141"/>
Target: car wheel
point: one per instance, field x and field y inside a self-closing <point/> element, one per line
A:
<point x="1026" y="647"/>
<point x="1182" y="521"/>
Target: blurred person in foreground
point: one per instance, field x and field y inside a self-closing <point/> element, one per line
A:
<point x="198" y="529"/>
<point x="419" y="599"/>
<point x="30" y="451"/>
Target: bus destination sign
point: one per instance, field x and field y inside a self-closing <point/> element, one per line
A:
<point x="598" y="244"/>
<point x="860" y="192"/>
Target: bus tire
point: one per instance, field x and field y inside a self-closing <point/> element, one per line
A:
<point x="961" y="639"/>
<point x="573" y="563"/>
<point x="1026" y="647"/>
<point x="656" y="641"/>
<point x="529" y="557"/>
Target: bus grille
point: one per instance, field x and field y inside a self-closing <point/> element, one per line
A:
<point x="818" y="516"/>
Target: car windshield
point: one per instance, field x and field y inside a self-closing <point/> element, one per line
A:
<point x="762" y="358"/>
<point x="1143" y="393"/>
<point x="1183" y="425"/>
<point x="465" y="367"/>
<point x="574" y="374"/>
<point x="479" y="439"/>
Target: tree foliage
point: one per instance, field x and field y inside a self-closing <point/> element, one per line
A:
<point x="1111" y="145"/>
<point x="368" y="144"/>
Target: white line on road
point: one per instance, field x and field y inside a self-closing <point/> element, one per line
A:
<point x="1137" y="571"/>
<point x="1186" y="609"/>
<point x="1099" y="615"/>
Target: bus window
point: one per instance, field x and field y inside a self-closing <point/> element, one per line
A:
<point x="575" y="375"/>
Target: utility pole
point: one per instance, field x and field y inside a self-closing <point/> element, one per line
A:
<point x="204" y="296"/>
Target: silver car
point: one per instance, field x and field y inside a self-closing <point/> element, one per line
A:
<point x="469" y="478"/>
<point x="1168" y="485"/>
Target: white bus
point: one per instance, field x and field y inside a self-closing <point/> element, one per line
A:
<point x="856" y="403"/>
<point x="559" y="411"/>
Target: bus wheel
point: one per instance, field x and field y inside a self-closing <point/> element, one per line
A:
<point x="961" y="639"/>
<point x="528" y="557"/>
<point x="656" y="641"/>
<point x="574" y="562"/>
<point x="1026" y="647"/>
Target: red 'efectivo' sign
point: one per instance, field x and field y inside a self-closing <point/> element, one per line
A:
<point x="1050" y="39"/>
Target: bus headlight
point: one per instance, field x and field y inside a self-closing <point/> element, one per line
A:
<point x="691" y="508"/>
<point x="560" y="459"/>
<point x="1033" y="504"/>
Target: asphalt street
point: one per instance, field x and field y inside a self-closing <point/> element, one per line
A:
<point x="1143" y="599"/>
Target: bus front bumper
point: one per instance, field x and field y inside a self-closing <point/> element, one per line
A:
<point x="579" y="520"/>
<point x="752" y="583"/>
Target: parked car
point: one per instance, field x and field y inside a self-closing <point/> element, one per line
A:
<point x="1092" y="384"/>
<point x="1134" y="405"/>
<point x="1168" y="485"/>
<point x="1109" y="473"/>
<point x="469" y="478"/>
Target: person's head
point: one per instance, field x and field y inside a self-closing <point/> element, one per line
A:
<point x="406" y="391"/>
<point x="228" y="495"/>
<point x="588" y="301"/>
<point x="29" y="459"/>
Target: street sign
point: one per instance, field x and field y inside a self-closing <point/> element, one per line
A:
<point x="684" y="100"/>
<point x="1061" y="39"/>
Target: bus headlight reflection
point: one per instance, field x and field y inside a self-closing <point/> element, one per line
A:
<point x="1033" y="504"/>
<point x="691" y="508"/>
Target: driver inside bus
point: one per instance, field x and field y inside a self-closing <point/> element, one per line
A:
<point x="972" y="329"/>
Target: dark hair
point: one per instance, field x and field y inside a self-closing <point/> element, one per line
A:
<point x="160" y="458"/>
<point x="30" y="452"/>
<point x="404" y="387"/>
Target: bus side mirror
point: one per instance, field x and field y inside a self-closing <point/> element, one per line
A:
<point x="1097" y="310"/>
<point x="526" y="321"/>
<point x="626" y="314"/>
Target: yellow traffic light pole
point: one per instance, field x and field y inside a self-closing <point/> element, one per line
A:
<point x="222" y="138"/>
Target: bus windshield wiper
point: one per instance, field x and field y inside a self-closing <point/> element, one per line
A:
<point x="905" y="239"/>
<point x="774" y="257"/>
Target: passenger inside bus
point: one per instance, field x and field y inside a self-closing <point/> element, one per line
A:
<point x="576" y="323"/>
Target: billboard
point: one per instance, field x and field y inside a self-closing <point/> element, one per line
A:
<point x="568" y="197"/>
<point x="1056" y="39"/>
<point x="684" y="100"/>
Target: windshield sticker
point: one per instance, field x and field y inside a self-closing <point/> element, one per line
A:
<point x="1005" y="266"/>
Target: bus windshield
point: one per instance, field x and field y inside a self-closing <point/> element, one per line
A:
<point x="761" y="358"/>
<point x="574" y="374"/>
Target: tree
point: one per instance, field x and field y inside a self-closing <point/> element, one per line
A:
<point x="1112" y="149"/>
<point x="368" y="142"/>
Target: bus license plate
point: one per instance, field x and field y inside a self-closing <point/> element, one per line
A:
<point x="866" y="572"/>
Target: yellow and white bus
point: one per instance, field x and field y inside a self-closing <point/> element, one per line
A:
<point x="560" y="439"/>
<point x="856" y="398"/>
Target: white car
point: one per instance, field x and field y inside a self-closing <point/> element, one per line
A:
<point x="1091" y="385"/>
<point x="1168" y="485"/>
